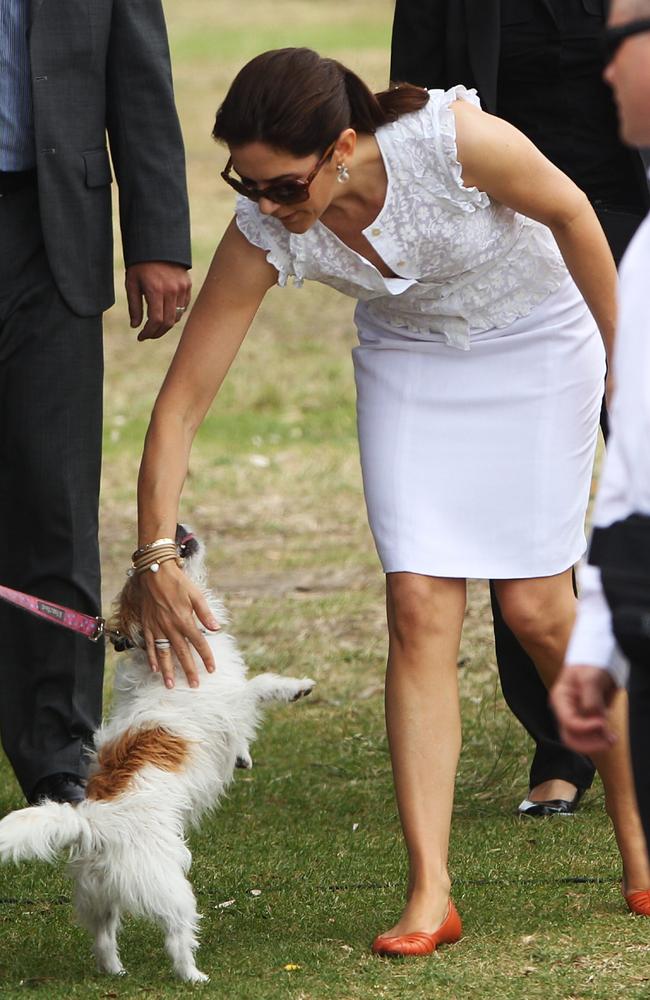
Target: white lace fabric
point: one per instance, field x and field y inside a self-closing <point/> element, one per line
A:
<point x="464" y="262"/>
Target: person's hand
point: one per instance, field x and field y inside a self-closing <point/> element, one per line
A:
<point x="165" y="287"/>
<point x="169" y="603"/>
<point x="580" y="698"/>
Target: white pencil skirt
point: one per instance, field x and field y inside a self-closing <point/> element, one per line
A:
<point x="478" y="463"/>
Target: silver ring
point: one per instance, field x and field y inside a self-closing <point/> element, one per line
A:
<point x="162" y="644"/>
<point x="180" y="310"/>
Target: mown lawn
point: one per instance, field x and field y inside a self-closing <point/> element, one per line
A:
<point x="275" y="490"/>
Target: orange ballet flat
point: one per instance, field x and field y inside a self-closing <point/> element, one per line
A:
<point x="421" y="943"/>
<point x="639" y="902"/>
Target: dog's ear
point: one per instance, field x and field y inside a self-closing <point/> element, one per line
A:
<point x="187" y="542"/>
<point x="192" y="551"/>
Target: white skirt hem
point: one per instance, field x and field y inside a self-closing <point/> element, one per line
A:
<point x="482" y="572"/>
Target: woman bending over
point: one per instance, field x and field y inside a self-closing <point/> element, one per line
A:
<point x="482" y="279"/>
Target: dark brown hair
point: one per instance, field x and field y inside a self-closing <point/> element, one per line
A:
<point x="299" y="102"/>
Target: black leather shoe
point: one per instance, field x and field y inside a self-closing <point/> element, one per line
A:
<point x="59" y="788"/>
<point x="550" y="807"/>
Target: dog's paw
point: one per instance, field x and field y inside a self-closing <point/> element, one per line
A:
<point x="305" y="688"/>
<point x="275" y="687"/>
<point x="196" y="976"/>
<point x="111" y="968"/>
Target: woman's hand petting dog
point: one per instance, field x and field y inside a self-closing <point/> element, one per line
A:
<point x="170" y="603"/>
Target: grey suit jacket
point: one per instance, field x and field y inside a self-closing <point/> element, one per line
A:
<point x="98" y="67"/>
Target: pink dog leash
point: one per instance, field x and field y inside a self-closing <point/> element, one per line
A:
<point x="86" y="625"/>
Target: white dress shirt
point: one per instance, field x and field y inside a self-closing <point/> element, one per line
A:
<point x="625" y="482"/>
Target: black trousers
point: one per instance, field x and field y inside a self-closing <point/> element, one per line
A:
<point x="51" y="372"/>
<point x="622" y="551"/>
<point x="522" y="688"/>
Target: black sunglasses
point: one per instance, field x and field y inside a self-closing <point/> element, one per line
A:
<point x="613" y="38"/>
<point x="289" y="192"/>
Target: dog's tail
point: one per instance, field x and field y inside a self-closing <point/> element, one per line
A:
<point x="43" y="832"/>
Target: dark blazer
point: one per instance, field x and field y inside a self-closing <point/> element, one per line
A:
<point x="98" y="67"/>
<point x="438" y="43"/>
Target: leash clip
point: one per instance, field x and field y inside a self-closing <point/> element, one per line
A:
<point x="99" y="631"/>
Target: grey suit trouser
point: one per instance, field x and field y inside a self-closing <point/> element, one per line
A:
<point x="51" y="372"/>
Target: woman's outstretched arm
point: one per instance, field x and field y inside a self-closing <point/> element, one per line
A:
<point x="237" y="281"/>
<point x="498" y="159"/>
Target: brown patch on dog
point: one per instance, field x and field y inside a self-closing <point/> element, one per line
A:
<point x="118" y="762"/>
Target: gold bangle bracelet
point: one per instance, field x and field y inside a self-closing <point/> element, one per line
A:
<point x="163" y="553"/>
<point x="152" y="545"/>
<point x="155" y="564"/>
<point x="155" y="552"/>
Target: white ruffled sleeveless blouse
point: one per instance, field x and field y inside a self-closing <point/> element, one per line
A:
<point x="463" y="261"/>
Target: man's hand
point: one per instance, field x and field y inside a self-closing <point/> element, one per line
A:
<point x="165" y="287"/>
<point x="580" y="698"/>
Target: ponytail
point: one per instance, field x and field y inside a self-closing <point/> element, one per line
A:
<point x="369" y="111"/>
<point x="402" y="99"/>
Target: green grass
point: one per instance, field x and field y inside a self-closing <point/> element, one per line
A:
<point x="314" y="825"/>
<point x="239" y="44"/>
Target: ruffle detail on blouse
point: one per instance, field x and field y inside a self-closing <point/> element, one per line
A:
<point x="268" y="234"/>
<point x="472" y="198"/>
<point x="493" y="296"/>
<point x="530" y="271"/>
<point x="459" y="270"/>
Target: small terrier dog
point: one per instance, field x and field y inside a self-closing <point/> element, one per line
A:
<point x="162" y="759"/>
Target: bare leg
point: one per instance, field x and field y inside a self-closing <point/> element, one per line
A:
<point x="541" y="614"/>
<point x="554" y="788"/>
<point x="425" y="616"/>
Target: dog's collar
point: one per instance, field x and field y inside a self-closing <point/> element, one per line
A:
<point x="120" y="642"/>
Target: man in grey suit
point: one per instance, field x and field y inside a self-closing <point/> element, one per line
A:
<point x="72" y="71"/>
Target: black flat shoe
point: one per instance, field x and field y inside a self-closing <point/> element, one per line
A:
<point x="59" y="788"/>
<point x="550" y="807"/>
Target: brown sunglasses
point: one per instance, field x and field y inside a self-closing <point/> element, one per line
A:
<point x="290" y="192"/>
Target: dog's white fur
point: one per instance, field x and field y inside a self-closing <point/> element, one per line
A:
<point x="128" y="853"/>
